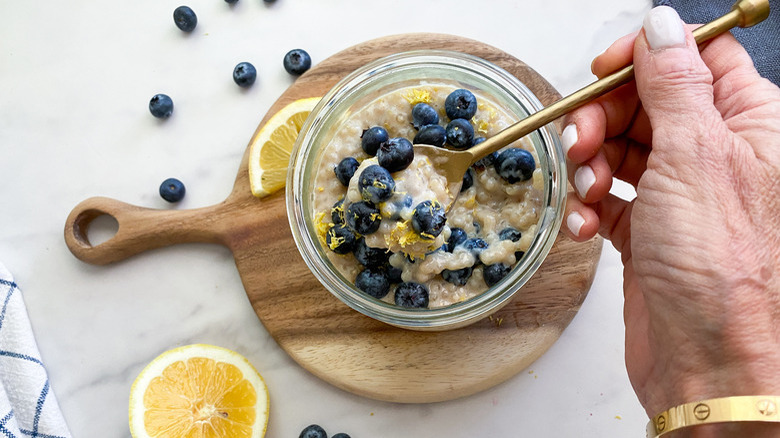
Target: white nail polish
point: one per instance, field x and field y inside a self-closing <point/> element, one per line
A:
<point x="584" y="178"/>
<point x="568" y="137"/>
<point x="575" y="221"/>
<point x="663" y="28"/>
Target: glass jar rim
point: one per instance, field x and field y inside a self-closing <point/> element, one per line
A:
<point x="483" y="304"/>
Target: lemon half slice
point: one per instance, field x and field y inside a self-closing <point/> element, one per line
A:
<point x="269" y="154"/>
<point x="199" y="391"/>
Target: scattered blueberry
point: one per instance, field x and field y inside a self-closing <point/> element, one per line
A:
<point x="428" y="219"/>
<point x="346" y="169"/>
<point x="341" y="435"/>
<point x="172" y="190"/>
<point x="475" y="245"/>
<point x="375" y="184"/>
<point x="395" y="154"/>
<point x="340" y="239"/>
<point x="370" y="257"/>
<point x="458" y="277"/>
<point x="297" y="61"/>
<point x="363" y="217"/>
<point x="510" y="233"/>
<point x="394" y="274"/>
<point x="494" y="273"/>
<point x="485" y="161"/>
<point x="161" y="106"/>
<point x="424" y="114"/>
<point x="519" y="255"/>
<point x="434" y="135"/>
<point x="230" y="1"/>
<point x="313" y="431"/>
<point x="185" y="18"/>
<point x="411" y="294"/>
<point x="457" y="236"/>
<point x="460" y="134"/>
<point x="515" y="164"/>
<point x="468" y="180"/>
<point x="372" y="138"/>
<point x="269" y="1"/>
<point x="244" y="74"/>
<point x="373" y="281"/>
<point x="460" y="104"/>
<point x="337" y="212"/>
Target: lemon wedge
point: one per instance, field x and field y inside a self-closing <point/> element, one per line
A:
<point x="269" y="154"/>
<point x="199" y="391"/>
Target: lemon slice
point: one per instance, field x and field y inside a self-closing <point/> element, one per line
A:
<point x="269" y="154"/>
<point x="199" y="391"/>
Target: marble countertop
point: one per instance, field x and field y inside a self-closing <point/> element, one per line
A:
<point x="75" y="81"/>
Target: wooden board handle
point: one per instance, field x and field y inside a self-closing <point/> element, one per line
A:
<point x="140" y="229"/>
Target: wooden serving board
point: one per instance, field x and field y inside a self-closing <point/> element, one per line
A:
<point x="325" y="336"/>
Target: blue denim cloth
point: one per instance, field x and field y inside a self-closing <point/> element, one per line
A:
<point x="762" y="41"/>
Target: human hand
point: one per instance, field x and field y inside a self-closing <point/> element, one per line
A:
<point x="698" y="136"/>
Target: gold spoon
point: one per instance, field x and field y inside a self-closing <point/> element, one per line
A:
<point x="454" y="164"/>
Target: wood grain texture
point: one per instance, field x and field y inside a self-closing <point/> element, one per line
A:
<point x="325" y="336"/>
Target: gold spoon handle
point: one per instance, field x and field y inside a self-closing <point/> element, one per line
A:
<point x="744" y="13"/>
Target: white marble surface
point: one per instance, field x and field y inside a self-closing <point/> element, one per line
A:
<point x="75" y="80"/>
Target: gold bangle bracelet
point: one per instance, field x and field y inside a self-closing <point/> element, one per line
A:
<point x="761" y="408"/>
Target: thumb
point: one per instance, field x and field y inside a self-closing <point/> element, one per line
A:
<point x="673" y="82"/>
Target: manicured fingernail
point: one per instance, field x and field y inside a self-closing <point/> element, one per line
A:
<point x="575" y="221"/>
<point x="663" y="28"/>
<point x="584" y="178"/>
<point x="568" y="137"/>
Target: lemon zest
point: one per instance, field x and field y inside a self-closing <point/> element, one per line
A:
<point x="418" y="95"/>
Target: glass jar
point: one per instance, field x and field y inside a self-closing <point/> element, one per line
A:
<point x="383" y="76"/>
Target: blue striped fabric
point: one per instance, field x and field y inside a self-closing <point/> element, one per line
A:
<point x="762" y="41"/>
<point x="28" y="407"/>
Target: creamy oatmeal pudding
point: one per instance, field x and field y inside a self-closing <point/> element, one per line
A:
<point x="379" y="208"/>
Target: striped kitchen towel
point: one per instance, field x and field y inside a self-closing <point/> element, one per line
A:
<point x="762" y="41"/>
<point x="28" y="407"/>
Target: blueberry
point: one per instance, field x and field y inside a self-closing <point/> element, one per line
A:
<point x="460" y="104"/>
<point x="515" y="164"/>
<point x="370" y="257"/>
<point x="424" y="114"/>
<point x="172" y="190"/>
<point x="485" y="161"/>
<point x="185" y="18"/>
<point x="313" y="431"/>
<point x="434" y="135"/>
<point x="428" y="219"/>
<point x="337" y="212"/>
<point x="475" y="245"/>
<point x="372" y="138"/>
<point x="363" y="217"/>
<point x="394" y="274"/>
<point x="458" y="277"/>
<point x="244" y="74"/>
<point x="230" y="1"/>
<point x="373" y="281"/>
<point x="457" y="236"/>
<point x="395" y="154"/>
<point x="376" y="184"/>
<point x="460" y="134"/>
<point x="410" y="294"/>
<point x="341" y="435"/>
<point x="340" y="239"/>
<point x="468" y="180"/>
<point x="494" y="273"/>
<point x="510" y="233"/>
<point x="519" y="255"/>
<point x="297" y="61"/>
<point x="161" y="106"/>
<point x="346" y="169"/>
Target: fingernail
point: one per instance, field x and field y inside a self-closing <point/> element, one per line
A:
<point x="568" y="137"/>
<point x="663" y="28"/>
<point x="575" y="221"/>
<point x="584" y="178"/>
